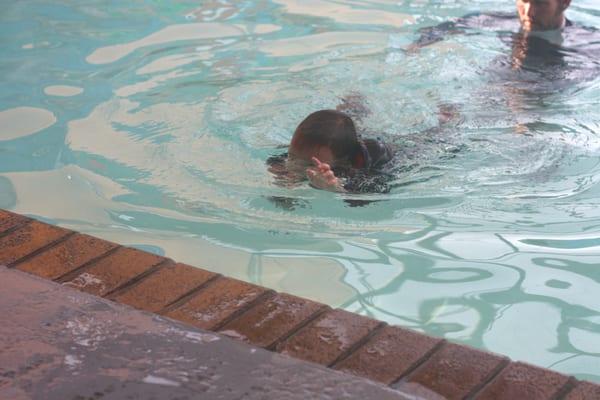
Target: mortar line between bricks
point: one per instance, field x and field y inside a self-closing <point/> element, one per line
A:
<point x="566" y="389"/>
<point x="16" y="227"/>
<point x="190" y="292"/>
<point x="73" y="273"/>
<point x="138" y="278"/>
<point x="488" y="379"/>
<point x="314" y="316"/>
<point x="419" y="363"/>
<point x="359" y="343"/>
<point x="240" y="311"/>
<point x="42" y="249"/>
<point x="184" y="298"/>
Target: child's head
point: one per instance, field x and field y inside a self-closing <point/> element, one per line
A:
<point x="328" y="135"/>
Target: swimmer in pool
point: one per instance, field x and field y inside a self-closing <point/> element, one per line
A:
<point x="326" y="149"/>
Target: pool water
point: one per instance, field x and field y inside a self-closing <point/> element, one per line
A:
<point x="149" y="123"/>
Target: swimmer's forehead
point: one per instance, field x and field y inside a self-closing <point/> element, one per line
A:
<point x="306" y="153"/>
<point x="540" y="2"/>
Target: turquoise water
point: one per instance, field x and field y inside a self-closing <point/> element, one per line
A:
<point x="149" y="124"/>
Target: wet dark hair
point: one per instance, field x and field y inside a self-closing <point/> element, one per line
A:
<point x="330" y="128"/>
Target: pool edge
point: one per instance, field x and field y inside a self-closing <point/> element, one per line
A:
<point x="301" y="328"/>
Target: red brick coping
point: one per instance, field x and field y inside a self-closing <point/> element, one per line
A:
<point x="408" y="361"/>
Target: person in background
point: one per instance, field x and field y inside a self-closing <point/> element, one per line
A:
<point x="542" y="15"/>
<point x="538" y="33"/>
<point x="547" y="54"/>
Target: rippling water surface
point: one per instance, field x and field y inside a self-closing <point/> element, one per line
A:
<point x="149" y="123"/>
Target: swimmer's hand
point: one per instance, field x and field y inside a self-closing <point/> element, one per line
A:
<point x="322" y="177"/>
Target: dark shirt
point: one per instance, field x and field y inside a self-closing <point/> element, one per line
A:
<point x="376" y="154"/>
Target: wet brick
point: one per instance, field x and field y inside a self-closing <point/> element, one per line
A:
<point x="28" y="239"/>
<point x="522" y="381"/>
<point x="328" y="337"/>
<point x="9" y="220"/>
<point x="163" y="287"/>
<point x="66" y="256"/>
<point x="113" y="271"/>
<point x="454" y="371"/>
<point x="216" y="303"/>
<point x="584" y="391"/>
<point x="389" y="354"/>
<point x="272" y="319"/>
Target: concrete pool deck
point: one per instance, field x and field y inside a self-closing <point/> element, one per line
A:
<point x="383" y="361"/>
<point x="59" y="343"/>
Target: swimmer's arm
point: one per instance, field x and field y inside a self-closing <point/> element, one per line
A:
<point x="433" y="34"/>
<point x="322" y="177"/>
<point x="354" y="105"/>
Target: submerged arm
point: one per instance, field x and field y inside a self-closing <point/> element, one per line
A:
<point x="434" y="34"/>
<point x="368" y="183"/>
<point x="354" y="105"/>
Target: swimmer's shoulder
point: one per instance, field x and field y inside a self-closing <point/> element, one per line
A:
<point x="380" y="152"/>
<point x="490" y="21"/>
<point x="582" y="38"/>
